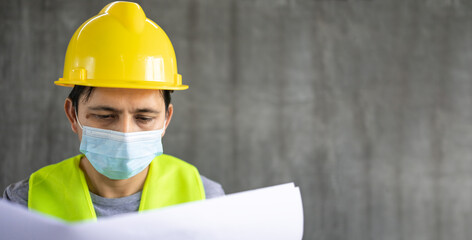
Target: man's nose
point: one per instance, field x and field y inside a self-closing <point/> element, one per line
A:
<point x="126" y="124"/>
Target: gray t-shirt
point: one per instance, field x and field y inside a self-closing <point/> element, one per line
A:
<point x="18" y="192"/>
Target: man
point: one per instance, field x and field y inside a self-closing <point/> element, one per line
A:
<point x="122" y="68"/>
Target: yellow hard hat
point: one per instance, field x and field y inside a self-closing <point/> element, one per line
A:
<point x="121" y="48"/>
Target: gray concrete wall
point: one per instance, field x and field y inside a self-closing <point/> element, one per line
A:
<point x="366" y="105"/>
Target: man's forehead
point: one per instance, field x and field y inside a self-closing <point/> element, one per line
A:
<point x="126" y="97"/>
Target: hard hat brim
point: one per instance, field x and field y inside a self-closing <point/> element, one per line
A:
<point x="121" y="84"/>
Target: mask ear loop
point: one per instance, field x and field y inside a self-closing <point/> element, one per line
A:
<point x="164" y="127"/>
<point x="77" y="119"/>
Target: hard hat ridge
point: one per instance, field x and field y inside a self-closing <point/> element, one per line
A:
<point x="130" y="14"/>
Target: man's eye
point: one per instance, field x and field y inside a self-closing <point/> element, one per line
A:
<point x="144" y="119"/>
<point x="109" y="116"/>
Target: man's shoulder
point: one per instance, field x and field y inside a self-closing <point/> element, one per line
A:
<point x="59" y="166"/>
<point x="212" y="188"/>
<point x="17" y="192"/>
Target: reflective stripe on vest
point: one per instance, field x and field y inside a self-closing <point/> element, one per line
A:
<point x="60" y="190"/>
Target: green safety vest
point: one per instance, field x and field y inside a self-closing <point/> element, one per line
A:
<point x="60" y="190"/>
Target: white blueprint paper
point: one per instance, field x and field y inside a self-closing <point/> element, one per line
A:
<point x="268" y="213"/>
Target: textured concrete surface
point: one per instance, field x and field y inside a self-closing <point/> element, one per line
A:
<point x="366" y="105"/>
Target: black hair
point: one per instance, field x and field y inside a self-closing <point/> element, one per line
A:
<point x="77" y="92"/>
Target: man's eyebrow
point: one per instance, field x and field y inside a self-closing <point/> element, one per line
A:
<point x="104" y="108"/>
<point x="110" y="109"/>
<point x="146" y="110"/>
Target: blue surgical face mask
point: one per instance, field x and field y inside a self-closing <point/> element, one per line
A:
<point x="119" y="155"/>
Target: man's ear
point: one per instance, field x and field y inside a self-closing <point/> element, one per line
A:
<point x="170" y="111"/>
<point x="71" y="114"/>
